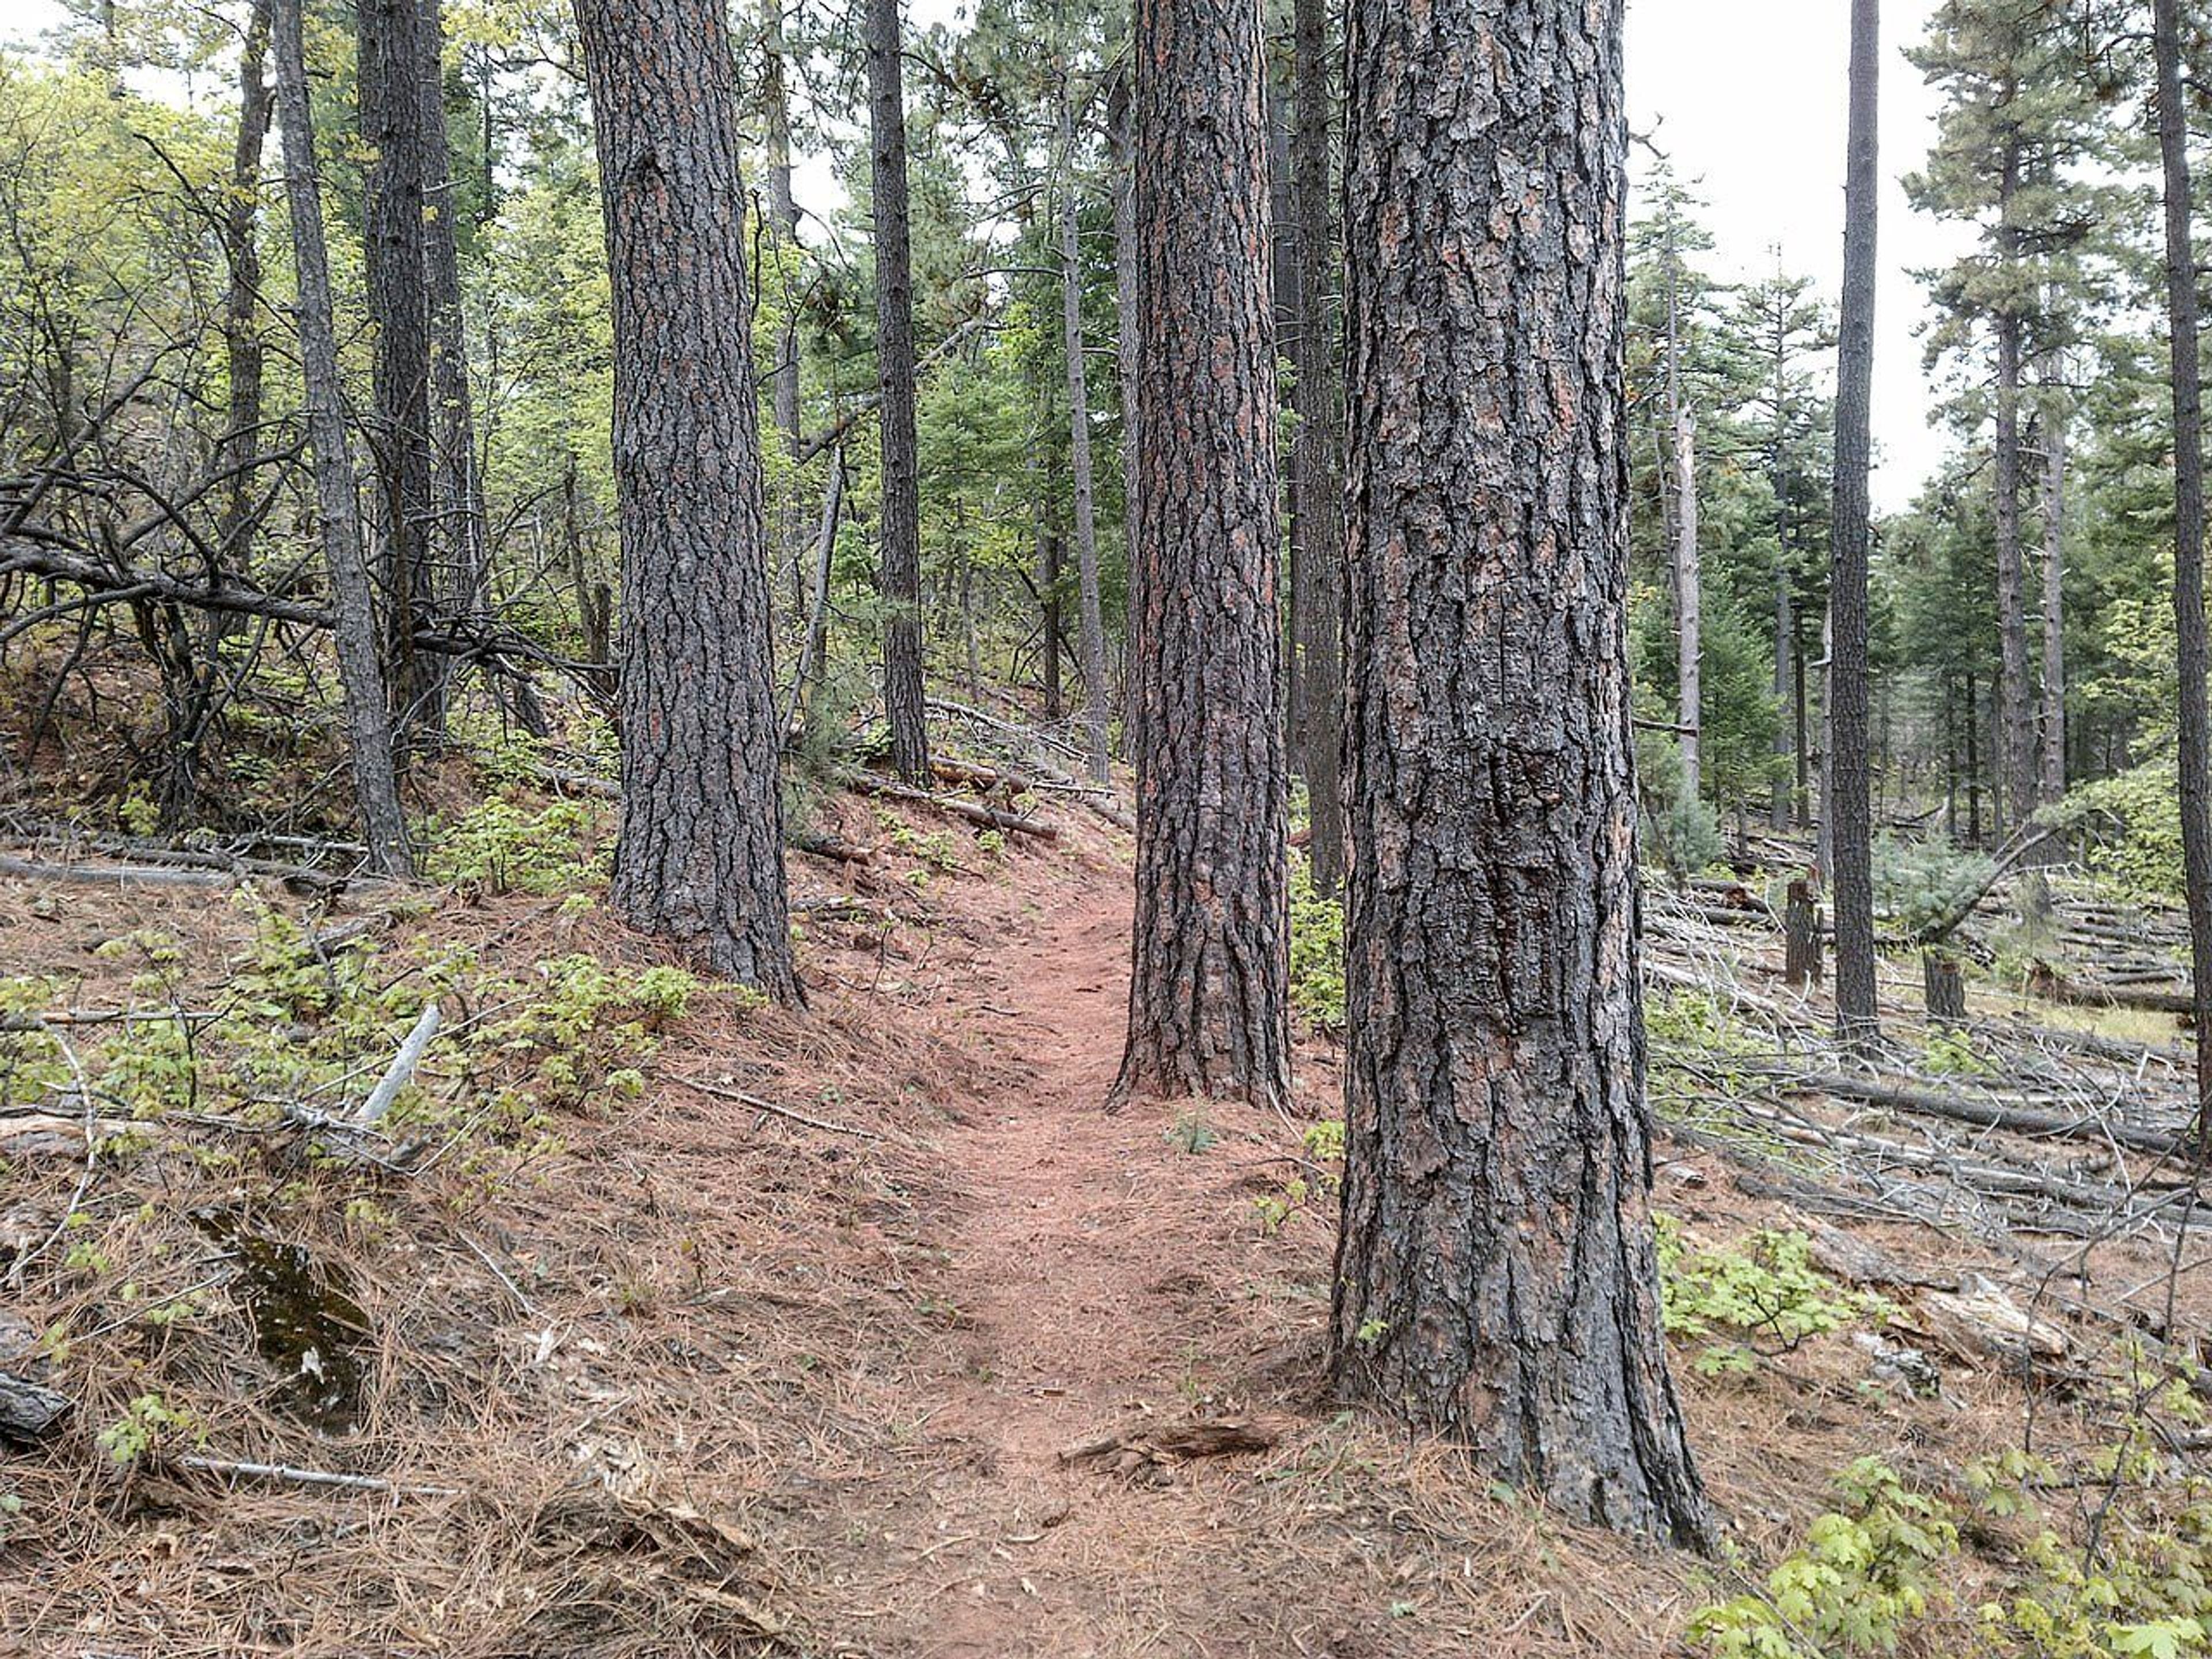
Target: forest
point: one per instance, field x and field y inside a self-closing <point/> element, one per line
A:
<point x="1010" y="829"/>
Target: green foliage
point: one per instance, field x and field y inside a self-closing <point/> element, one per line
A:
<point x="148" y="1425"/>
<point x="1317" y="951"/>
<point x="1862" y="1579"/>
<point x="1765" y="1298"/>
<point x="1191" y="1132"/>
<point x="1916" y="882"/>
<point x="1324" y="1149"/>
<point x="2134" y="820"/>
<point x="500" y="846"/>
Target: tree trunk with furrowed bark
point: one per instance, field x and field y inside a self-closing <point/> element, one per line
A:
<point x="1496" y="1280"/>
<point x="1209" y="992"/>
<point x="699" y="857"/>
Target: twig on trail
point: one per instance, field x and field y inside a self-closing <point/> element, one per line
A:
<point x="84" y="1091"/>
<point x="773" y="1109"/>
<point x="501" y="1275"/>
<point x="284" y="1473"/>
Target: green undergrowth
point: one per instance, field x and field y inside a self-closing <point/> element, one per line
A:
<point x="1755" y="1299"/>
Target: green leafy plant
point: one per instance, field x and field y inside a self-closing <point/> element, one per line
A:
<point x="1765" y="1298"/>
<point x="1316" y="951"/>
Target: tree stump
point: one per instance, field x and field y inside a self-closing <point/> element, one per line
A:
<point x="1946" y="987"/>
<point x="1801" y="926"/>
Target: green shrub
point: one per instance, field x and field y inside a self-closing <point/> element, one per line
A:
<point x="1316" y="951"/>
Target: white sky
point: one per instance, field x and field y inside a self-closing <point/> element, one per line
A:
<point x="1747" y="96"/>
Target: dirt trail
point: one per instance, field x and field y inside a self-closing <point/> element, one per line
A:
<point x="1079" y="1290"/>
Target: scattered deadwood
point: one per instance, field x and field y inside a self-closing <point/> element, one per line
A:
<point x="29" y="1411"/>
<point x="834" y="849"/>
<point x="402" y="1070"/>
<point x="1147" y="1453"/>
<point x="2046" y="982"/>
<point x="146" y="875"/>
<point x="285" y="1474"/>
<point x="988" y="818"/>
<point x="790" y="1114"/>
<point x="1980" y="1322"/>
<point x="1988" y="1114"/>
<point x="1860" y="1261"/>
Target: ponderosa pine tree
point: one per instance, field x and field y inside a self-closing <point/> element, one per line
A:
<point x="1845" y="807"/>
<point x="1316" y="476"/>
<point x="901" y="553"/>
<point x="1209" y="999"/>
<point x="699" y="854"/>
<point x="1091" y="619"/>
<point x="391" y="66"/>
<point x="2192" y="660"/>
<point x="352" y="601"/>
<point x="1496" y="1279"/>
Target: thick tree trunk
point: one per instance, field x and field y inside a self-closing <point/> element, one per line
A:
<point x="457" y="489"/>
<point x="1209" y="1005"/>
<point x="1846" y="812"/>
<point x="2194" y="734"/>
<point x="353" y="602"/>
<point x="1496" y="1280"/>
<point x="1283" y="253"/>
<point x="389" y="38"/>
<point x="2054" y="601"/>
<point x="1093" y="620"/>
<point x="699" y="857"/>
<point x="1316" y="514"/>
<point x="900" y="553"/>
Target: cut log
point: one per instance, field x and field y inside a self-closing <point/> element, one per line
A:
<point x="1945" y="986"/>
<point x="1148" y="1453"/>
<point x="1981" y="1322"/>
<point x="1801" y="930"/>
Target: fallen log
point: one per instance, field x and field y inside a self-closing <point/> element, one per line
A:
<point x="2046" y="982"/>
<point x="988" y="818"/>
<point x="1986" y="1114"/>
<point x="121" y="875"/>
<point x="1147" y="1453"/>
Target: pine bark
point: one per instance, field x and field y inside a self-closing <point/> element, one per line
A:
<point x="389" y="43"/>
<point x="1846" y="812"/>
<point x="1689" y="604"/>
<point x="1092" y="637"/>
<point x="1496" y="1280"/>
<point x="783" y="215"/>
<point x="2054" y="602"/>
<point x="353" y="602"/>
<point x="1317" y="484"/>
<point x="1208" y="993"/>
<point x="699" y="856"/>
<point x="901" y="578"/>
<point x="243" y="353"/>
<point x="457" y="488"/>
<point x="2015" y="715"/>
<point x="2194" y="726"/>
<point x="1126" y="355"/>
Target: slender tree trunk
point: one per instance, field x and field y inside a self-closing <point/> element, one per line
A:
<point x="389" y="37"/>
<point x="1126" y="359"/>
<point x="1317" y="516"/>
<point x="1494" y="1276"/>
<point x="1049" y="575"/>
<point x="1973" y="762"/>
<point x="352" y="601"/>
<point x="901" y="477"/>
<point x="1803" y="785"/>
<point x="784" y="379"/>
<point x="1093" y="636"/>
<point x="1785" y="622"/>
<point x="2054" y="599"/>
<point x="1209" y="1005"/>
<point x="1689" y="602"/>
<point x="1847" y="810"/>
<point x="457" y="487"/>
<point x="2194" y="729"/>
<point x="2015" y="715"/>
<point x="699" y="857"/>
<point x="243" y="350"/>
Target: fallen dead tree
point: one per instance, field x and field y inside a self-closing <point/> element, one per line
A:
<point x="1990" y="1114"/>
<point x="988" y="818"/>
<point x="2046" y="982"/>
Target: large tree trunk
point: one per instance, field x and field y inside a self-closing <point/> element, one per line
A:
<point x="1209" y="999"/>
<point x="2194" y="728"/>
<point x="1846" y="811"/>
<point x="2054" y="597"/>
<point x="389" y="37"/>
<point x="353" y="603"/>
<point x="2015" y="716"/>
<point x="699" y="857"/>
<point x="456" y="490"/>
<point x="1093" y="636"/>
<point x="1495" y="1279"/>
<point x="901" y="552"/>
<point x="1317" y="512"/>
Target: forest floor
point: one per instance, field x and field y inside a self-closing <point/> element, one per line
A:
<point x="699" y="1327"/>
